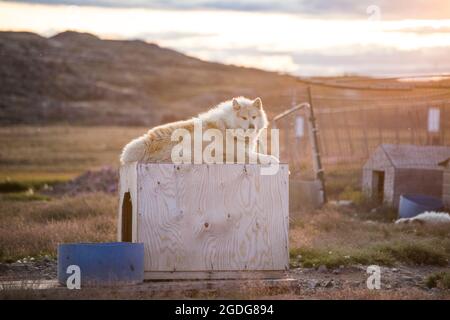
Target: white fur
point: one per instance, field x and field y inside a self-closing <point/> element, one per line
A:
<point x="429" y="217"/>
<point x="224" y="112"/>
<point x="134" y="150"/>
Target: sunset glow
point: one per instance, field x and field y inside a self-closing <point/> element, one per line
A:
<point x="272" y="41"/>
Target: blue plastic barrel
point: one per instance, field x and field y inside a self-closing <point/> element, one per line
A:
<point x="413" y="204"/>
<point x="114" y="263"/>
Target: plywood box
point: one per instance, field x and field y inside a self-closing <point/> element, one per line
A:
<point x="206" y="221"/>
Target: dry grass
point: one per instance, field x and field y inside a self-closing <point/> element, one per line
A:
<point x="36" y="228"/>
<point x="53" y="153"/>
<point x="439" y="280"/>
<point x="334" y="238"/>
<point x="264" y="293"/>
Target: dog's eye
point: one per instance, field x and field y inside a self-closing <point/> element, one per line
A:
<point x="245" y="118"/>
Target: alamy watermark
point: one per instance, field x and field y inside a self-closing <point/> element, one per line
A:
<point x="374" y="12"/>
<point x="374" y="280"/>
<point x="238" y="146"/>
<point x="74" y="280"/>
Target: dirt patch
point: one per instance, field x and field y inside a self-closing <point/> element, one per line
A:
<point x="103" y="180"/>
<point x="26" y="269"/>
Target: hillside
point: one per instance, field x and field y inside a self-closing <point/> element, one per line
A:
<point x="78" y="78"/>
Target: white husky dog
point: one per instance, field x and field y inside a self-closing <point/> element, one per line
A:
<point x="238" y="113"/>
<point x="429" y="217"/>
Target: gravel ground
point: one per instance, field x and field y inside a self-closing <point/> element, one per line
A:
<point x="27" y="269"/>
<point x="398" y="282"/>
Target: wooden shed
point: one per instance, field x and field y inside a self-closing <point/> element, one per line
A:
<point x="393" y="170"/>
<point x="206" y="221"/>
<point x="446" y="182"/>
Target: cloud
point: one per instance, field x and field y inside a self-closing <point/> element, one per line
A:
<point x="370" y="60"/>
<point x="422" y="30"/>
<point x="172" y="35"/>
<point x="374" y="61"/>
<point x="399" y="9"/>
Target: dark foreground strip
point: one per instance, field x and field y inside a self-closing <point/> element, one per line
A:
<point x="220" y="309"/>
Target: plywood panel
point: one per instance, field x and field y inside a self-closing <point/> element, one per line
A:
<point x="215" y="275"/>
<point x="212" y="217"/>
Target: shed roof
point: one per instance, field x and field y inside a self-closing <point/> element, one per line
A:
<point x="412" y="156"/>
<point x="445" y="162"/>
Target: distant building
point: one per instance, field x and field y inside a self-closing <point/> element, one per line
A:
<point x="446" y="182"/>
<point x="393" y="170"/>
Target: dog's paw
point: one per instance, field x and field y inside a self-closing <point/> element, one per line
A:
<point x="268" y="159"/>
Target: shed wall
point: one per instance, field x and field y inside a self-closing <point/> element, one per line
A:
<point x="378" y="161"/>
<point x="446" y="187"/>
<point x="389" y="185"/>
<point x="417" y="181"/>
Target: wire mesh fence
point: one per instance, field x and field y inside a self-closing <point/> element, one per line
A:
<point x="350" y="129"/>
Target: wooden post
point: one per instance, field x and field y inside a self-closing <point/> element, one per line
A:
<point x="323" y="140"/>
<point x="317" y="163"/>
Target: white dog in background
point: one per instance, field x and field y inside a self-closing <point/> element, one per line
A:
<point x="429" y="217"/>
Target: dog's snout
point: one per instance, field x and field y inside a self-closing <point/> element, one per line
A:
<point x="251" y="126"/>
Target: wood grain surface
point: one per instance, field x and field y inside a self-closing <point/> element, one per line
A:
<point x="223" y="217"/>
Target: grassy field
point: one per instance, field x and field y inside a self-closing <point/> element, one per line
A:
<point x="335" y="237"/>
<point x="32" y="224"/>
<point x="331" y="236"/>
<point x="52" y="153"/>
<point x="35" y="228"/>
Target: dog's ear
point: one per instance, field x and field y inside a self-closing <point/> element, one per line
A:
<point x="236" y="105"/>
<point x="257" y="103"/>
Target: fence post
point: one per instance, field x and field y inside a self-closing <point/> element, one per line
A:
<point x="317" y="163"/>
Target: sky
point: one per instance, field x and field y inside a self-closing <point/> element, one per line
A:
<point x="304" y="38"/>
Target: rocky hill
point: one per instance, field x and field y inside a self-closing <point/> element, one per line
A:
<point x="80" y="79"/>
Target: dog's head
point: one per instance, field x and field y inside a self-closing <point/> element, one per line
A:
<point x="249" y="114"/>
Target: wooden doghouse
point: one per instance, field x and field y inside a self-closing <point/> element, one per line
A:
<point x="393" y="170"/>
<point x="206" y="221"/>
